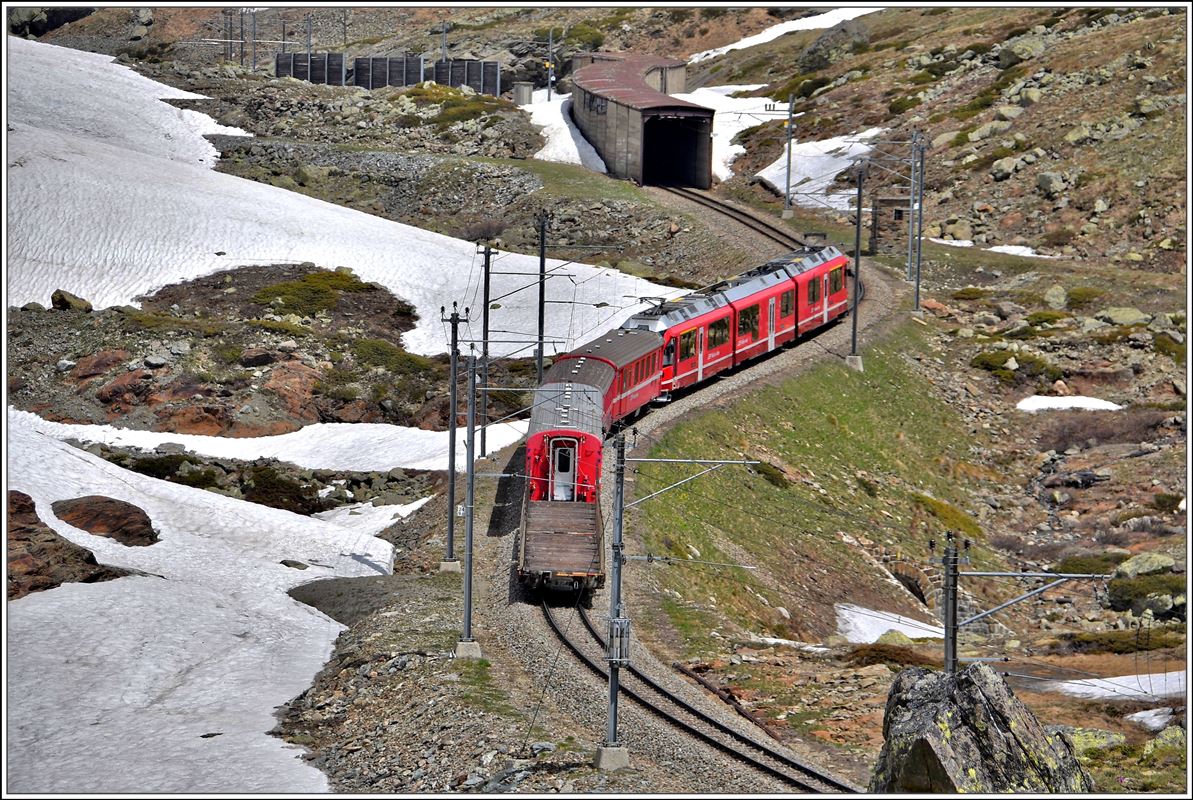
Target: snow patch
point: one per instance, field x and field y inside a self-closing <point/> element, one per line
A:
<point x="1125" y="687"/>
<point x="370" y="520"/>
<point x="860" y="625"/>
<point x="951" y="242"/>
<point x="113" y="687"/>
<point x="733" y="115"/>
<point x="1039" y="402"/>
<point x="825" y="20"/>
<point x="565" y="143"/>
<point x="360" y="446"/>
<point x="814" y="165"/>
<point x="1017" y="250"/>
<point x="110" y="196"/>
<point x="1154" y="719"/>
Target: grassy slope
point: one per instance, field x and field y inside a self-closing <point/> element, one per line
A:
<point x="847" y="452"/>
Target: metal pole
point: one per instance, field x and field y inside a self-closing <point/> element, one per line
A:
<point x="787" y="212"/>
<point x="242" y="39"/>
<point x="542" y="220"/>
<point x="915" y="137"/>
<point x="454" y="319"/>
<point x="228" y="35"/>
<point x="308" y="43"/>
<point x="857" y="250"/>
<point x="550" y="69"/>
<point x="283" y="35"/>
<point x="344" y="26"/>
<point x="919" y="239"/>
<point x="485" y="352"/>
<point x="443" y="44"/>
<point x="469" y="494"/>
<point x="950" y="604"/>
<point x="254" y="41"/>
<point x="615" y="606"/>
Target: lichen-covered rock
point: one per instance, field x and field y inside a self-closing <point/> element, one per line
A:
<point x="969" y="733"/>
<point x="1144" y="564"/>
<point x="895" y="636"/>
<point x="65" y="301"/>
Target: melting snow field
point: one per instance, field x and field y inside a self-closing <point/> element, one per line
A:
<point x="110" y="196"/>
<point x="362" y="447"/>
<point x="814" y="165"/>
<point x="864" y="625"/>
<point x="1044" y="403"/>
<point x="1127" y="687"/>
<point x="565" y="143"/>
<point x="1008" y="249"/>
<point x="825" y="20"/>
<point x="113" y="686"/>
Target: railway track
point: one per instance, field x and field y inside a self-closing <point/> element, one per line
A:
<point x="679" y="713"/>
<point x="776" y="233"/>
<point x="771" y="231"/>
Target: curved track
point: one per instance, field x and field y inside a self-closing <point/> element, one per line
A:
<point x="768" y="229"/>
<point x="776" y="233"/>
<point x="674" y="709"/>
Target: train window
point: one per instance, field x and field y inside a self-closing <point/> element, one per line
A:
<point x="814" y="290"/>
<point x="747" y="322"/>
<point x="563" y="459"/>
<point x="786" y="303"/>
<point x="718" y="333"/>
<point x="669" y="354"/>
<point x="836" y="280"/>
<point x="687" y="345"/>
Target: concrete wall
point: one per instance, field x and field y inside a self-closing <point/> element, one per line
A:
<point x="616" y="133"/>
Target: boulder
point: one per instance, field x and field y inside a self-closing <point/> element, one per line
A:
<point x="989" y="129"/>
<point x="105" y="516"/>
<point x="969" y="733"/>
<point x="1123" y="315"/>
<point x="1029" y="97"/>
<point x="256" y="357"/>
<point x="1051" y="183"/>
<point x="1171" y="737"/>
<point x="65" y="301"/>
<point x="1007" y="113"/>
<point x="1055" y="297"/>
<point x="1004" y="168"/>
<point x="1078" y="135"/>
<point x="1086" y="739"/>
<point x="960" y="230"/>
<point x="1144" y="564"/>
<point x="1027" y="47"/>
<point x="139" y="32"/>
<point x="894" y="636"/>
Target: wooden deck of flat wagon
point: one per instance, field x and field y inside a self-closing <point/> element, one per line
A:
<point x="561" y="546"/>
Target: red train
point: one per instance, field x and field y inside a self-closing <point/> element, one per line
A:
<point x="674" y="345"/>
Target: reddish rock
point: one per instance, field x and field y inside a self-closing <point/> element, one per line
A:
<point x="246" y="429"/>
<point x="294" y="384"/>
<point x="257" y="357"/>
<point x="129" y="389"/>
<point x="98" y="364"/>
<point x="936" y="307"/>
<point x="200" y="420"/>
<point x="183" y="388"/>
<point x="40" y="559"/>
<point x="356" y="411"/>
<point x="1012" y="221"/>
<point x="104" y="516"/>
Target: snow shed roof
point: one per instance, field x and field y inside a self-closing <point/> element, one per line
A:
<point x="621" y="77"/>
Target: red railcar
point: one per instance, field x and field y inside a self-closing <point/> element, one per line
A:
<point x="676" y="344"/>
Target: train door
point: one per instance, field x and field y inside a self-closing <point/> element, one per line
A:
<point x="826" y="295"/>
<point x="815" y="297"/>
<point x="563" y="469"/>
<point x="700" y="354"/>
<point x="773" y="321"/>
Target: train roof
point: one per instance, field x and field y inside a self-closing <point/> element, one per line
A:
<point x="581" y="370"/>
<point x="675" y="312"/>
<point x="563" y="404"/>
<point x="619" y="346"/>
<point x="800" y="261"/>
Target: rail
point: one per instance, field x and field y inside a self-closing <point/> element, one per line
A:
<point x="792" y="772"/>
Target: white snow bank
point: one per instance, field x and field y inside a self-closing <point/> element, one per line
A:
<point x="814" y="165"/>
<point x="825" y="20"/>
<point x="111" y="211"/>
<point x="860" y="625"/>
<point x="361" y="447"/>
<point x="167" y="682"/>
<point x="565" y="143"/>
<point x="368" y="519"/>
<point x="1044" y="403"/>
<point x="1154" y="719"/>
<point x="951" y="242"/>
<point x="1017" y="250"/>
<point x="733" y="115"/>
<point x="772" y="641"/>
<point x="1126" y="687"/>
